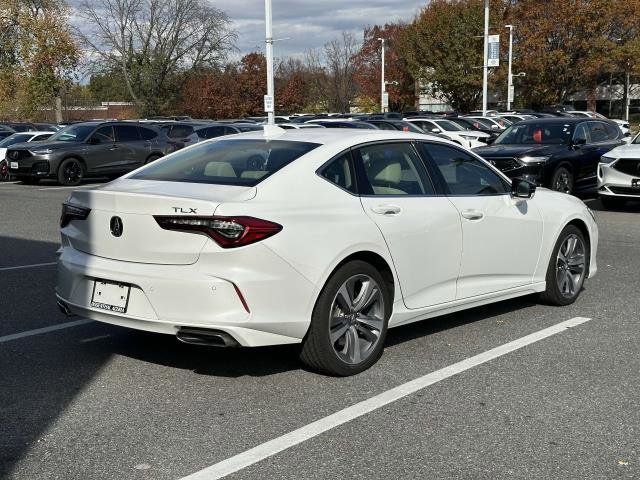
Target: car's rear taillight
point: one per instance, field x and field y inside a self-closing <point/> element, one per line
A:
<point x="72" y="212"/>
<point x="228" y="232"/>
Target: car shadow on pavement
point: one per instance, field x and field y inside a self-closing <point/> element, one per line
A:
<point x="230" y="362"/>
<point x="628" y="207"/>
<point x="424" y="328"/>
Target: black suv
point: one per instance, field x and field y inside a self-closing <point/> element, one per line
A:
<point x="559" y="153"/>
<point x="107" y="149"/>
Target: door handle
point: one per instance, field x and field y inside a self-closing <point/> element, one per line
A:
<point x="386" y="209"/>
<point x="472" y="214"/>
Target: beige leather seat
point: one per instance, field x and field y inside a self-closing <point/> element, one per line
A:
<point x="219" y="169"/>
<point x="387" y="180"/>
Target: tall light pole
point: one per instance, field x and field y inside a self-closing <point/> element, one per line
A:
<point x="510" y="77"/>
<point x="383" y="84"/>
<point x="269" y="101"/>
<point x="485" y="66"/>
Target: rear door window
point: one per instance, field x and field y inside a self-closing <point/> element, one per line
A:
<point x="147" y="133"/>
<point x="392" y="169"/>
<point x="227" y="162"/>
<point x="127" y="133"/>
<point x="598" y="132"/>
<point x="613" y="131"/>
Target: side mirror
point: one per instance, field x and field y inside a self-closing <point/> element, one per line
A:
<point x="436" y="130"/>
<point x="94" y="141"/>
<point x="521" y="188"/>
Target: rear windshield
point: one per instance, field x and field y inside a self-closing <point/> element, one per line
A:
<point x="226" y="162"/>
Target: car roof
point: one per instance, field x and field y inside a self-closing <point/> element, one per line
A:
<point x="329" y="136"/>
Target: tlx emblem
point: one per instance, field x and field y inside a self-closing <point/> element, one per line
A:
<point x="184" y="210"/>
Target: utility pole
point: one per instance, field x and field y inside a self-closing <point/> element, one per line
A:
<point x="269" y="100"/>
<point x="510" y="77"/>
<point x="485" y="67"/>
<point x="383" y="85"/>
<point x="627" y="95"/>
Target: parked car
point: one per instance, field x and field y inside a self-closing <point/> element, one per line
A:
<point x="515" y="118"/>
<point x="12" y="140"/>
<point x="619" y="175"/>
<point x="402" y="206"/>
<point x="476" y="125"/>
<point x="496" y="123"/>
<point x="214" y="130"/>
<point x="21" y="126"/>
<point x="90" y="148"/>
<point x="297" y="126"/>
<point x="623" y="124"/>
<point x="182" y="131"/>
<point x="452" y="131"/>
<point x="344" y="124"/>
<point x="393" y="124"/>
<point x="559" y="153"/>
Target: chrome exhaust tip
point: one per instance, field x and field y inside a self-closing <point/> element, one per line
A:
<point x="203" y="336"/>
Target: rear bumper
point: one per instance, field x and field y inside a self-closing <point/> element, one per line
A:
<point x="205" y="295"/>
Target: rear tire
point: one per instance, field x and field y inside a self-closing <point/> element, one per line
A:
<point x="349" y="321"/>
<point x="612" y="203"/>
<point x="562" y="181"/>
<point x="568" y="268"/>
<point x="71" y="172"/>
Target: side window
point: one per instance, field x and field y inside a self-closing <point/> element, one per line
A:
<point x="127" y="133"/>
<point x="147" y="133"/>
<point x="181" y="131"/>
<point x="598" y="132"/>
<point x="613" y="131"/>
<point x="229" y="131"/>
<point x="392" y="169"/>
<point x="211" y="132"/>
<point x="340" y="173"/>
<point x="384" y="126"/>
<point x="582" y="133"/>
<point x="39" y="138"/>
<point x="463" y="174"/>
<point x="104" y="135"/>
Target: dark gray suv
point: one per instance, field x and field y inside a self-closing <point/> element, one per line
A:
<point x="107" y="149"/>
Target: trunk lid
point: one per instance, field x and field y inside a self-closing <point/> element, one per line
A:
<point x="135" y="202"/>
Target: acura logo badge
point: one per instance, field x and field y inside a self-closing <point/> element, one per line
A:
<point x="116" y="226"/>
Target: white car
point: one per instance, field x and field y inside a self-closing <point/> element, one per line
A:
<point x="496" y="123"/>
<point x="623" y="124"/>
<point x="21" y="137"/>
<point x="452" y="131"/>
<point x="619" y="175"/>
<point x="322" y="237"/>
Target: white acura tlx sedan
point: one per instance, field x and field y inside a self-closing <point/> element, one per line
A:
<point x="322" y="237"/>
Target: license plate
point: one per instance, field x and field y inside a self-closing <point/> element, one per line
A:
<point x="110" y="296"/>
<point x="14" y="165"/>
<point x="635" y="183"/>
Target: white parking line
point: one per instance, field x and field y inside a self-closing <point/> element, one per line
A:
<point x="77" y="187"/>
<point x="38" y="331"/>
<point x="23" y="267"/>
<point x="272" y="447"/>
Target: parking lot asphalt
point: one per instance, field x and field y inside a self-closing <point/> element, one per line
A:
<point x="98" y="401"/>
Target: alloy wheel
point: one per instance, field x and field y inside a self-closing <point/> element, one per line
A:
<point x="563" y="182"/>
<point x="72" y="172"/>
<point x="570" y="266"/>
<point x="356" y="319"/>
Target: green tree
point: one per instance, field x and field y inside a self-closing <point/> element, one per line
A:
<point x="153" y="43"/>
<point x="37" y="56"/>
<point x="443" y="49"/>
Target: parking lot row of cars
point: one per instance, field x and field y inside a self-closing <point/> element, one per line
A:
<point x="573" y="152"/>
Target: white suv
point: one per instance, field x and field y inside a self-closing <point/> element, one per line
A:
<point x="619" y="175"/>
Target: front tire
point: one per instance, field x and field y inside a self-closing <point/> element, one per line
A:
<point x="562" y="181"/>
<point x="568" y="268"/>
<point x="349" y="322"/>
<point x="71" y="172"/>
